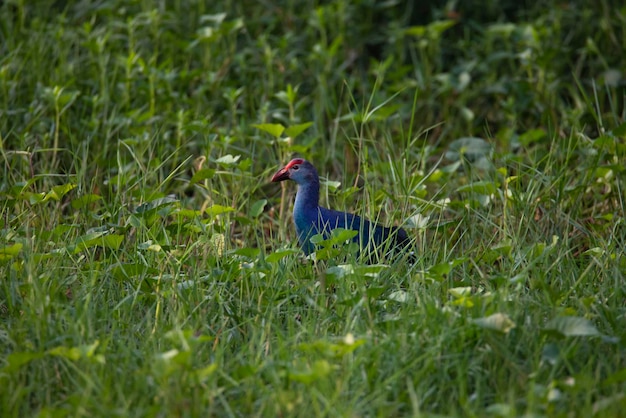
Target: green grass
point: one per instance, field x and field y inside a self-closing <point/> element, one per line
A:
<point x="148" y="266"/>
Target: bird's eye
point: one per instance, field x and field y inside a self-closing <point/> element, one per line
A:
<point x="295" y="167"/>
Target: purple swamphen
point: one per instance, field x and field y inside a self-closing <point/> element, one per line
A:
<point x="311" y="219"/>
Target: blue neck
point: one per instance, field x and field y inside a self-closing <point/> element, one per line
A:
<point x="306" y="213"/>
<point x="307" y="197"/>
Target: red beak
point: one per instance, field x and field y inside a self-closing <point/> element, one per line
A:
<point x="282" y="174"/>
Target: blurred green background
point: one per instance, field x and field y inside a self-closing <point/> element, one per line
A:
<point x="147" y="264"/>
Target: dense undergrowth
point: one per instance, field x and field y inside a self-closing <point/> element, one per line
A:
<point x="148" y="266"/>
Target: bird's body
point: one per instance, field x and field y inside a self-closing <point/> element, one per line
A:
<point x="311" y="219"/>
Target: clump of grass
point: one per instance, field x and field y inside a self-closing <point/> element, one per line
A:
<point x="149" y="269"/>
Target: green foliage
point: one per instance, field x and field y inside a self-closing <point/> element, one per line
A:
<point x="149" y="267"/>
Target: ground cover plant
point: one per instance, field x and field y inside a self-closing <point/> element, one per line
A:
<point x="148" y="266"/>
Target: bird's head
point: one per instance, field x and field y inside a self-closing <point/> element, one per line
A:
<point x="299" y="170"/>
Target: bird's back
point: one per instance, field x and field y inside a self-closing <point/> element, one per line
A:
<point x="371" y="237"/>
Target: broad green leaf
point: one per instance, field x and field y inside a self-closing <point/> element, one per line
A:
<point x="257" y="208"/>
<point x="330" y="251"/>
<point x="439" y="26"/>
<point x="228" y="159"/>
<point x="374" y="292"/>
<point x="332" y="185"/>
<point x="480" y="187"/>
<point x="433" y="30"/>
<point x="112" y="241"/>
<point x="201" y="175"/>
<point x="246" y="370"/>
<point x="418" y="221"/>
<point x="615" y="378"/>
<point x="352" y="301"/>
<point x="497" y="322"/>
<point x="550" y="354"/>
<point x="10" y="251"/>
<point x="400" y="296"/>
<point x="417" y="31"/>
<point x="620" y="130"/>
<point x="155" y="204"/>
<point x="383" y="112"/>
<point x="295" y="130"/>
<point x="85" y="351"/>
<point x="70" y="353"/>
<point x="288" y="96"/>
<point x="335" y="349"/>
<point x="187" y="336"/>
<point x="215" y="19"/>
<point x="572" y="326"/>
<point x="204" y="373"/>
<point x="274" y="129"/>
<point x="469" y="148"/>
<point x="537" y="249"/>
<point x="340" y="271"/>
<point x="58" y="192"/>
<point x="33" y="198"/>
<point x="465" y="301"/>
<point x="150" y="246"/>
<point x="206" y="33"/>
<point x="91" y="235"/>
<point x="500" y="410"/>
<point x="435" y="175"/>
<point x="603" y="403"/>
<point x="595" y="251"/>
<point x="319" y="370"/>
<point x="175" y="357"/>
<point x="606" y="142"/>
<point x="338" y="236"/>
<point x="19" y="188"/>
<point x="500" y="250"/>
<point x="189" y="213"/>
<point x="459" y="292"/>
<point x="243" y="220"/>
<point x="438" y="271"/>
<point x="604" y="174"/>
<point x="531" y="136"/>
<point x="248" y="252"/>
<point x="317" y="239"/>
<point x="244" y="165"/>
<point x="370" y="270"/>
<point x="122" y="271"/>
<point x="168" y="362"/>
<point x="85" y="200"/>
<point x="16" y="360"/>
<point x="501" y="29"/>
<point x="279" y="255"/>
<point x="216" y="210"/>
<point x="98" y="239"/>
<point x="40" y="257"/>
